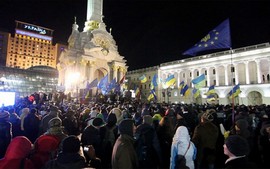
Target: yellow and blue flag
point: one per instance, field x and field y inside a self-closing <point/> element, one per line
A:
<point x="211" y="90"/>
<point x="211" y="98"/>
<point x="152" y="95"/>
<point x="170" y="81"/>
<point x="199" y="81"/>
<point x="184" y="90"/>
<point x="181" y="85"/>
<point x="235" y="91"/>
<point x="218" y="38"/>
<point x="103" y="83"/>
<point x="137" y="92"/>
<point x="143" y="79"/>
<point x="154" y="82"/>
<point x="196" y="93"/>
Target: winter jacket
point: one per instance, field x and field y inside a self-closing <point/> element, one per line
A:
<point x="181" y="144"/>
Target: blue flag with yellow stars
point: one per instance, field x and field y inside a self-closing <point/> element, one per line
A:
<point x="218" y="38"/>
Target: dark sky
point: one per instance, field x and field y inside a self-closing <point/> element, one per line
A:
<point x="148" y="32"/>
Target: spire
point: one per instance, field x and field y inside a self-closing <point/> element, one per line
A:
<point x="75" y="26"/>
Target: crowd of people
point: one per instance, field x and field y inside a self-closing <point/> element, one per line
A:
<point x="132" y="134"/>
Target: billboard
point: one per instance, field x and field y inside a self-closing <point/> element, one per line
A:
<point x="7" y="98"/>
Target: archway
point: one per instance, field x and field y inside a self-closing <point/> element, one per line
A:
<point x="254" y="98"/>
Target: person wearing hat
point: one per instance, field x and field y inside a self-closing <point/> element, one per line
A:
<point x="205" y="138"/>
<point x="70" y="156"/>
<point x="146" y="137"/>
<point x="124" y="154"/>
<point x="5" y="132"/>
<point x="91" y="135"/>
<point x="56" y="129"/>
<point x="54" y="112"/>
<point x="237" y="149"/>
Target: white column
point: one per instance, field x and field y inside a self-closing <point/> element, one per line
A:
<point x="192" y="77"/>
<point x="208" y="77"/>
<point x="236" y="73"/>
<point x="247" y="73"/>
<point x="226" y="75"/>
<point x="178" y="77"/>
<point x="217" y="76"/>
<point x="115" y="69"/>
<point x="258" y="71"/>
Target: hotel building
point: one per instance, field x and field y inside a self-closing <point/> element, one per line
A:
<point x="32" y="46"/>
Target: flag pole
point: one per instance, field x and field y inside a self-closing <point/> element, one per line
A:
<point x="232" y="75"/>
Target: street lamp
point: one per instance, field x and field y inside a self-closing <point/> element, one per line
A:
<point x="72" y="80"/>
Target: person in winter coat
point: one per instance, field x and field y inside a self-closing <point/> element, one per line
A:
<point x="31" y="125"/>
<point x="124" y="154"/>
<point x="17" y="153"/>
<point x="264" y="144"/>
<point x="205" y="138"/>
<point x="54" y="112"/>
<point x="108" y="135"/>
<point x="182" y="145"/>
<point x="237" y="149"/>
<point x="45" y="148"/>
<point x="70" y="156"/>
<point x="5" y="132"/>
<point x="147" y="144"/>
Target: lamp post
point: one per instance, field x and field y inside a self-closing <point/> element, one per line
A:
<point x="72" y="81"/>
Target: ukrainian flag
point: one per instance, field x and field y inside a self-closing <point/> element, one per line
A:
<point x="184" y="91"/>
<point x="152" y="95"/>
<point x="199" y="81"/>
<point x="154" y="82"/>
<point x="211" y="90"/>
<point x="196" y="93"/>
<point x="170" y="81"/>
<point x="211" y="98"/>
<point x="137" y="92"/>
<point x="235" y="91"/>
<point x="181" y="85"/>
<point x="143" y="79"/>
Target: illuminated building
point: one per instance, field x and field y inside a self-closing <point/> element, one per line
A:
<point x="248" y="66"/>
<point x="4" y="36"/>
<point x="26" y="82"/>
<point x="91" y="54"/>
<point x="31" y="46"/>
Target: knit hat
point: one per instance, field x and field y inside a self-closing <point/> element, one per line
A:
<point x="237" y="145"/>
<point x="157" y="117"/>
<point x="242" y="124"/>
<point x="126" y="127"/>
<point x="147" y="119"/>
<point x="98" y="122"/>
<point x="4" y="114"/>
<point x="111" y="119"/>
<point x="71" y="144"/>
<point x="55" y="122"/>
<point x="208" y="116"/>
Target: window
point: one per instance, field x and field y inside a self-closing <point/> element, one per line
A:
<point x="232" y="69"/>
<point x="197" y="73"/>
<point x="205" y="72"/>
<point x="215" y="82"/>
<point x="214" y="71"/>
<point x="183" y="75"/>
<point x="190" y="74"/>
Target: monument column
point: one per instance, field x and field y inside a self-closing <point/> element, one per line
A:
<point x="226" y="75"/>
<point x="217" y="76"/>
<point x="236" y="72"/>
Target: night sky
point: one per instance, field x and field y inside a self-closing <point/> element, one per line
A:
<point x="148" y="32"/>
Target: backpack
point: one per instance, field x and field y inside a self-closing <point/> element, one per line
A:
<point x="144" y="148"/>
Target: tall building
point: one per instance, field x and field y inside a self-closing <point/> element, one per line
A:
<point x="31" y="45"/>
<point x="4" y="36"/>
<point x="248" y="66"/>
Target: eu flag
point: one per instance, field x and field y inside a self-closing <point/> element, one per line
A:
<point x="218" y="38"/>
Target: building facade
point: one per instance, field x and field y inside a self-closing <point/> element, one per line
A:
<point x="4" y="36"/>
<point x="249" y="67"/>
<point x="32" y="45"/>
<point x="91" y="54"/>
<point x="26" y="82"/>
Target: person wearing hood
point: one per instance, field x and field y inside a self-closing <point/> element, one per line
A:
<point x="124" y="154"/>
<point x="237" y="149"/>
<point x="16" y="154"/>
<point x="5" y="132"/>
<point x="182" y="145"/>
<point x="70" y="156"/>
